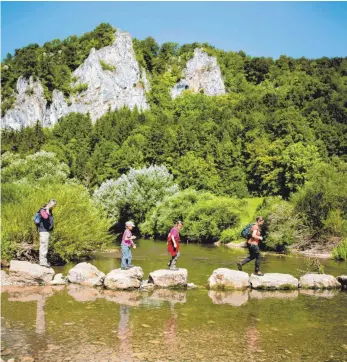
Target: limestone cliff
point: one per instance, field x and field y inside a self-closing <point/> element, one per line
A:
<point x="113" y="80"/>
<point x="202" y="73"/>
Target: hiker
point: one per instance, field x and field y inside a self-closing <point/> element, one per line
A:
<point x="173" y="243"/>
<point x="253" y="247"/>
<point x="127" y="243"/>
<point x="45" y="224"/>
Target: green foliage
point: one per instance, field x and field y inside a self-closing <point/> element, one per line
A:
<point x="205" y="216"/>
<point x="79" y="88"/>
<point x="340" y="251"/>
<point x="282" y="225"/>
<point x="106" y="66"/>
<point x="42" y="167"/>
<point x="323" y="198"/>
<point x="80" y="225"/>
<point x="132" y="195"/>
<point x="229" y="235"/>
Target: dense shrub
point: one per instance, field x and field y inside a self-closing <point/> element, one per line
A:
<point x="40" y="167"/>
<point x="282" y="226"/>
<point x="322" y="201"/>
<point x="134" y="194"/>
<point x="205" y="215"/>
<point x="80" y="225"/>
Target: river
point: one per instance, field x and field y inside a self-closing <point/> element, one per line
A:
<point x="77" y="323"/>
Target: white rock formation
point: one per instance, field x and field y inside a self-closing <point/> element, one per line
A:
<point x="59" y="108"/>
<point x="202" y="73"/>
<point x="273" y="281"/>
<point x="119" y="279"/>
<point x="318" y="281"/>
<point x="29" y="274"/>
<point x="29" y="107"/>
<point x="164" y="278"/>
<point x="86" y="274"/>
<point x="112" y="89"/>
<point x="107" y="89"/>
<point x="228" y="279"/>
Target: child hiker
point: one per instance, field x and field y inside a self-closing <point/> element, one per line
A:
<point x="173" y="242"/>
<point x="127" y="243"/>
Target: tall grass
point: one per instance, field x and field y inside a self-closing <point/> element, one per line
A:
<point x="340" y="252"/>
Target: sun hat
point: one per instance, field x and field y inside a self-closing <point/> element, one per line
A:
<point x="129" y="223"/>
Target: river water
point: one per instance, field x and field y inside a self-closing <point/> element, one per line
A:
<point x="77" y="323"/>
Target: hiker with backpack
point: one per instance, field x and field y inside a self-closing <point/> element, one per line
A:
<point x="44" y="221"/>
<point x="253" y="233"/>
<point x="127" y="243"/>
<point x="173" y="243"/>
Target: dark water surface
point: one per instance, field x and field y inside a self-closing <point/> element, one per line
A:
<point x="77" y="323"/>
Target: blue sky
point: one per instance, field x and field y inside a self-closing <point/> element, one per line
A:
<point x="310" y="29"/>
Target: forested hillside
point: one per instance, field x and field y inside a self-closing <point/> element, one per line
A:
<point x="280" y="130"/>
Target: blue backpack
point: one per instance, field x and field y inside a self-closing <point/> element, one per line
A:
<point x="246" y="232"/>
<point x="37" y="218"/>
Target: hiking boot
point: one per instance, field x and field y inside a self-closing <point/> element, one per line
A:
<point x="130" y="266"/>
<point x="125" y="267"/>
<point x="259" y="274"/>
<point x="174" y="268"/>
<point x="239" y="266"/>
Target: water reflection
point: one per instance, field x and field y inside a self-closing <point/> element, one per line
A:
<point x="83" y="293"/>
<point x="252" y="338"/>
<point x="125" y="335"/>
<point x="326" y="293"/>
<point x="171" y="296"/>
<point x="33" y="294"/>
<point x="234" y="298"/>
<point x="126" y="298"/>
<point x="170" y="331"/>
<point x="277" y="294"/>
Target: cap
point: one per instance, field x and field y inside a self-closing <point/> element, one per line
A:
<point x="129" y="223"/>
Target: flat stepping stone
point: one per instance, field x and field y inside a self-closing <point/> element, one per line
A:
<point x="119" y="279"/>
<point x="23" y="272"/>
<point x="228" y="279"/>
<point x="86" y="274"/>
<point x="165" y="278"/>
<point x="273" y="281"/>
<point x="318" y="281"/>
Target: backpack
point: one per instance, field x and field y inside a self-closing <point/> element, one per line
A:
<point x="37" y="218"/>
<point x="246" y="232"/>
